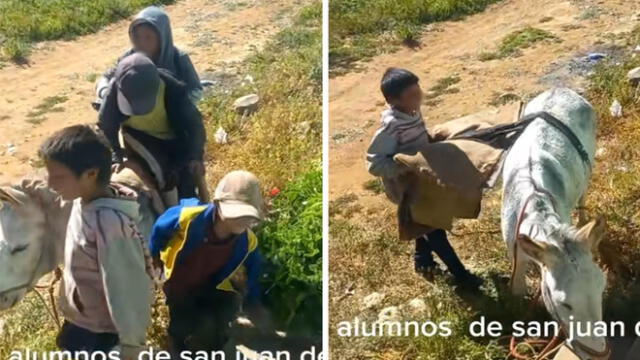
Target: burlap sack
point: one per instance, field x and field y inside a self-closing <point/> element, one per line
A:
<point x="448" y="177"/>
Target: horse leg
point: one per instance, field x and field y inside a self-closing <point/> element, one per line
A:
<point x="519" y="273"/>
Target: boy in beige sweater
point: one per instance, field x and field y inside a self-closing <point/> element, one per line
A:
<point x="404" y="131"/>
<point x="106" y="291"/>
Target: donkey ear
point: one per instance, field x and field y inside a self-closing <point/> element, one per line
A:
<point x="541" y="252"/>
<point x="592" y="233"/>
<point x="12" y="196"/>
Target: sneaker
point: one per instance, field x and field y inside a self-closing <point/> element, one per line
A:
<point x="469" y="281"/>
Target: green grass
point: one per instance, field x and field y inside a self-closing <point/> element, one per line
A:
<point x="48" y="105"/>
<point x="517" y="40"/>
<point x="374" y="185"/>
<point x="26" y="21"/>
<point x="292" y="241"/>
<point x="361" y="29"/>
<point x="283" y="138"/>
<point x="442" y="86"/>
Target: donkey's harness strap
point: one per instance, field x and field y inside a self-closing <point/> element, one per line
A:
<point x="485" y="135"/>
<point x="564" y="129"/>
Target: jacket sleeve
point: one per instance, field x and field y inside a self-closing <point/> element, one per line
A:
<point x="127" y="284"/>
<point x="163" y="230"/>
<point x="190" y="76"/>
<point x="109" y="120"/>
<point x="102" y="86"/>
<point x="380" y="155"/>
<point x="194" y="135"/>
<point x="253" y="265"/>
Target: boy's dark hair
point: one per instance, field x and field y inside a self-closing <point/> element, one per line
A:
<point x="395" y="81"/>
<point x="79" y="148"/>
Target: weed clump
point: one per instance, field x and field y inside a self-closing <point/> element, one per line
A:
<point x="512" y="44"/>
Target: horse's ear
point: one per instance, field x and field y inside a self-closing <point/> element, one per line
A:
<point x="592" y="233"/>
<point x="12" y="196"/>
<point x="541" y="252"/>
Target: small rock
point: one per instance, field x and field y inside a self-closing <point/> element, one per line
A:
<point x="391" y="313"/>
<point x="634" y="76"/>
<point x="417" y="306"/>
<point x="637" y="49"/>
<point x="601" y="152"/>
<point x="11" y="150"/>
<point x="221" y="136"/>
<point x="247" y="105"/>
<point x="616" y="109"/>
<point x="372" y="300"/>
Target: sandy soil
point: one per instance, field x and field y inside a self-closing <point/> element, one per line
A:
<point x="216" y="33"/>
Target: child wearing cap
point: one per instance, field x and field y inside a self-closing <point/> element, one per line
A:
<point x="162" y="129"/>
<point x="203" y="248"/>
<point x="150" y="34"/>
<point x="403" y="131"/>
<point x="106" y="290"/>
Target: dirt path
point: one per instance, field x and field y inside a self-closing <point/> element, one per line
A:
<point x="453" y="48"/>
<point x="216" y="33"/>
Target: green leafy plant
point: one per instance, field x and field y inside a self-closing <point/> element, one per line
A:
<point x="292" y="242"/>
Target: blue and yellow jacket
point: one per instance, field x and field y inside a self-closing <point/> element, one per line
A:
<point x="182" y="229"/>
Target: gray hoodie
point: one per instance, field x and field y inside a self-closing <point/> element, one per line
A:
<point x="400" y="133"/>
<point x="107" y="282"/>
<point x="170" y="58"/>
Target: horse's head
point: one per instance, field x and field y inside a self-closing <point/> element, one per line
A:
<point x="572" y="283"/>
<point x="21" y="244"/>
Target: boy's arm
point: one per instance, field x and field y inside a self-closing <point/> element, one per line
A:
<point x="194" y="127"/>
<point x="163" y="230"/>
<point x="127" y="283"/>
<point x="190" y="77"/>
<point x="380" y="155"/>
<point x="109" y="122"/>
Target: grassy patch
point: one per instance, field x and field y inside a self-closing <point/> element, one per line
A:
<point x="360" y="29"/>
<point x="48" y="105"/>
<point x="23" y="22"/>
<point x="283" y="138"/>
<point x="443" y="86"/>
<point x="282" y="144"/>
<point x="517" y="40"/>
<point x="374" y="185"/>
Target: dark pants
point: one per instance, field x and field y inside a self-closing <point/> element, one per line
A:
<point x="74" y="338"/>
<point x="201" y="320"/>
<point x="437" y="242"/>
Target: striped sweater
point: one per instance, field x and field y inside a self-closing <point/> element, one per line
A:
<point x="399" y="133"/>
<point x="107" y="286"/>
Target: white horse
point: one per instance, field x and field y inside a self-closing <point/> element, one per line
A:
<point x="33" y="222"/>
<point x="545" y="176"/>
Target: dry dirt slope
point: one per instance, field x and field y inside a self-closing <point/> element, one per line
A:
<point x="216" y="33"/>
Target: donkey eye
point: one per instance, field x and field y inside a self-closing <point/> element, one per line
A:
<point x="19" y="249"/>
<point x="567" y="306"/>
